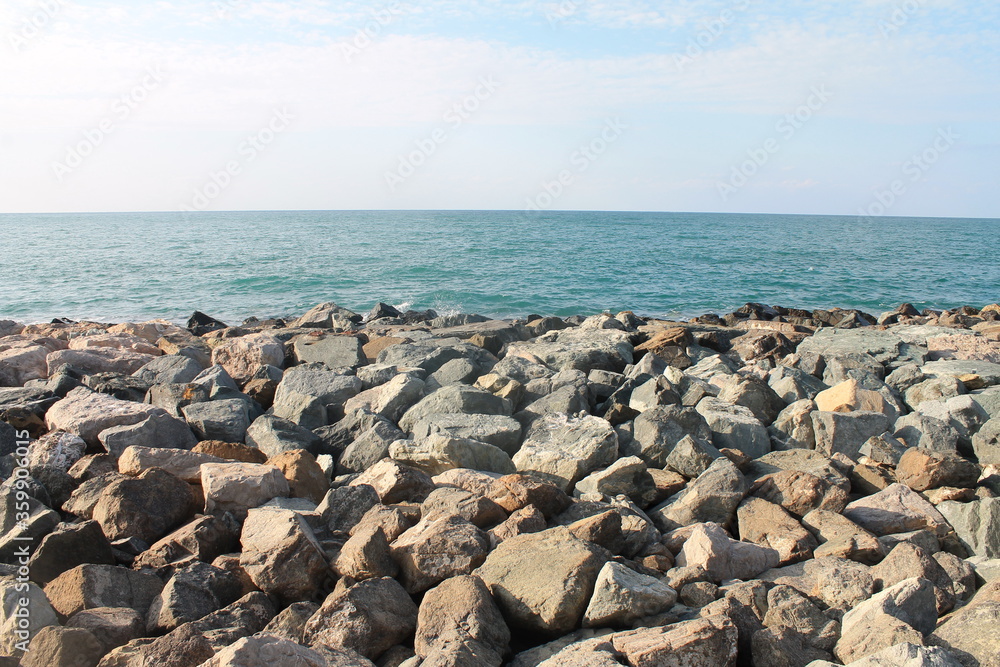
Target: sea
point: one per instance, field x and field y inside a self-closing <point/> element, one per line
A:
<point x="113" y="267"/>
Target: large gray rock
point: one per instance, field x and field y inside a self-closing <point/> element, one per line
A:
<point x="192" y="592"/>
<point x="713" y="496"/>
<point x="658" y="430"/>
<point x="497" y="430"/>
<point x="845" y="432"/>
<point x="793" y="427"/>
<point x="977" y="524"/>
<point x="708" y="641"/>
<point x="836" y="582"/>
<point x="906" y="654"/>
<point x="169" y="369"/>
<point x="579" y="349"/>
<point x="626" y="476"/>
<point x="430" y="355"/>
<point x="273" y="435"/>
<point x="57" y="449"/>
<point x="244" y="356"/>
<point x="903" y="612"/>
<point x="90" y="586"/>
<point x="622" y="596"/>
<point x="896" y="509"/>
<point x="692" y="456"/>
<point x="883" y="346"/>
<point x="755" y="395"/>
<point x="237" y="487"/>
<point x="66" y="547"/>
<point x="961" y="412"/>
<point x="157" y="430"/>
<point x="986" y="442"/>
<point x="735" y="427"/>
<point x="935" y="389"/>
<point x="369" y="447"/>
<point x="927" y="432"/>
<point x="970" y="634"/>
<point x="35" y="613"/>
<point x="565" y="451"/>
<point x="543" y="581"/>
<point x="439" y="452"/>
<point x="178" y="462"/>
<point x="454" y="399"/>
<point x="331" y="351"/>
<point x="281" y="555"/>
<point x="226" y="420"/>
<point x="313" y="396"/>
<point x="391" y="399"/>
<point x="87" y="413"/>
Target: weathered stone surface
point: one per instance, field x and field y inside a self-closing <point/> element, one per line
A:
<point x="313" y="396"/>
<point x="460" y="611"/>
<point x="98" y="360"/>
<point x="391" y="399"/>
<point x="331" y="351"/>
<point x="54" y="645"/>
<point x="305" y="478"/>
<point x="626" y="476"/>
<point x="91" y="586"/>
<point x="439" y="452"/>
<point x="622" y="596"/>
<point x="970" y="633"/>
<point x="903" y="612"/>
<point x="269" y="651"/>
<point x="66" y="547"/>
<point x="274" y="435"/>
<point x="783" y="646"/>
<point x="178" y="462"/>
<point x="846" y="432"/>
<point x="734" y="427"/>
<point x="838" y="583"/>
<point x="907" y="560"/>
<point x="454" y="399"/>
<point x="839" y="536"/>
<point x="243" y="356"/>
<point x="935" y="389"/>
<point x="192" y="592"/>
<point x="368" y="617"/>
<point x="497" y="430"/>
<point x="57" y="449"/>
<point x="769" y="525"/>
<point x="713" y="496"/>
<point x="565" y="452"/>
<point x="922" y="469"/>
<point x="514" y="492"/>
<point x="793" y="428"/>
<point x="703" y="641"/>
<point x="395" y="482"/>
<point x="921" y="430"/>
<point x="157" y="430"/>
<point x="237" y="487"/>
<point x="658" y="430"/>
<point x="906" y="654"/>
<point x="112" y="626"/>
<point x="169" y="369"/>
<point x="472" y="507"/>
<point x="710" y="548"/>
<point x="850" y="396"/>
<point x="977" y="524"/>
<point x="542" y="581"/>
<point x="226" y="420"/>
<point x="86" y="413"/>
<point x="578" y="349"/>
<point x="230" y="451"/>
<point x="754" y="394"/>
<point x="204" y="539"/>
<point x="986" y="442"/>
<point x="281" y="555"/>
<point x="896" y="509"/>
<point x="147" y="506"/>
<point x="35" y="613"/>
<point x="291" y="621"/>
<point x="789" y="608"/>
<point x="438" y="549"/>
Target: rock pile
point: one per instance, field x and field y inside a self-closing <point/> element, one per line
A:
<point x="773" y="487"/>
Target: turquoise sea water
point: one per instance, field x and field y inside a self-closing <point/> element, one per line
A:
<point x="129" y="266"/>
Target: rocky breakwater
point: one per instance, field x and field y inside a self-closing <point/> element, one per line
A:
<point x="773" y="487"/>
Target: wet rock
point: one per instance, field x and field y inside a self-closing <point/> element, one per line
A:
<point x="281" y="555"/>
<point x="735" y="427"/>
<point x="368" y="617"/>
<point x="438" y="549"/>
<point x="237" y="487"/>
<point x="147" y="506"/>
<point x="91" y="586"/>
<point x="542" y="581"/>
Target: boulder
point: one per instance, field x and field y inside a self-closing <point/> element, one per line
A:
<point x="922" y="430"/>
<point x="395" y="482"/>
<point x="734" y="427"/>
<point x="244" y="356"/>
<point x="237" y="487"/>
<point x="54" y="645"/>
<point x="580" y="349"/>
<point x="437" y="549"/>
<point x="907" y="654"/>
<point x="460" y="612"/>
<point x="755" y="395"/>
<point x="91" y="586"/>
<point x="845" y="432"/>
<point x="273" y="435"/>
<point x="24" y="611"/>
<point x="721" y="557"/>
<point x="226" y="420"/>
<point x="497" y="430"/>
<point x="922" y="469"/>
<point x="908" y="560"/>
<point x="178" y="462"/>
<point x="769" y="525"/>
<point x="657" y="431"/>
<point x="313" y="396"/>
<point x="66" y="547"/>
<point x="98" y="360"/>
<point x="147" y="506"/>
<point x="839" y="536"/>
<point x="454" y="399"/>
<point x="169" y="369"/>
<point x="192" y="592"/>
<point x="789" y="608"/>
<point x="305" y="477"/>
<point x="281" y="555"/>
<point x="473" y="507"/>
<point x="366" y="555"/>
<point x="986" y="442"/>
<point x="850" y="396"/>
<point x="970" y="633"/>
<point x="266" y="650"/>
<point x="439" y="452"/>
<point x="977" y="524"/>
<point x="935" y="389"/>
<point x="896" y="509"/>
<point x="331" y="351"/>
<point x="713" y="496"/>
<point x="203" y="539"/>
<point x="703" y="641"/>
<point x="793" y="427"/>
<point x="626" y="476"/>
<point x="344" y="506"/>
<point x="87" y="414"/>
<point x="903" y="612"/>
<point x="565" y="452"/>
<point x="543" y="581"/>
<point x="57" y="449"/>
<point x="391" y="399"/>
<point x="836" y="582"/>
<point x="368" y="617"/>
<point x="157" y="430"/>
<point x="111" y="626"/>
<point x="622" y="596"/>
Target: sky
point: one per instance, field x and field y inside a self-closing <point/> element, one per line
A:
<point x="847" y="107"/>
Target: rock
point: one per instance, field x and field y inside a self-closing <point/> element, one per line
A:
<point x="238" y="487"/>
<point x="903" y="612"/>
<point x="884" y="449"/>
<point x="368" y="448"/>
<point x="66" y="547"/>
<point x="230" y="451"/>
<point x="934" y="389"/>
<point x="692" y="456"/>
<point x="274" y="435"/>
<point x="789" y="608"/>
<point x="566" y="452"/>
<point x="922" y="469"/>
<point x="226" y="420"/>
<point x="366" y="555"/>
<point x="343" y="507"/>
<point x="147" y="506"/>
<point x="87" y="414"/>
<point x="920" y="430"/>
<point x="169" y="369"/>
<point x="850" y="396"/>
<point x="497" y="430"/>
<point x="178" y="462"/>
<point x="970" y="634"/>
<point x="626" y="476"/>
<point x="986" y="442"/>
<point x="438" y="453"/>
<point x="291" y="621"/>
<point x="313" y="396"/>
<point x="906" y="561"/>
<point x="266" y="650"/>
<point x="769" y="525"/>
<point x="454" y="399"/>
<point x="25" y="360"/>
<point x="111" y="626"/>
<point x="709" y="641"/>
<point x="906" y="654"/>
<point x="839" y="536"/>
<point x="896" y="509"/>
<point x="836" y="582"/>
<point x="846" y="432"/>
<point x="24" y="611"/>
<point x="755" y="395"/>
<point x="734" y="427"/>
<point x="785" y="646"/>
<point x="243" y="356"/>
<point x="54" y="645"/>
<point x="192" y="592"/>
<point x="580" y="349"/>
<point x="98" y="360"/>
<point x="713" y="496"/>
<point x="722" y="557"/>
<point x="622" y="596"/>
<point x="281" y="555"/>
<point x="368" y="617"/>
<point x="157" y="430"/>
<point x="437" y="549"/>
<point x="472" y="507"/>
<point x="331" y="351"/>
<point x="91" y="586"/>
<point x="962" y="413"/>
<point x="391" y="399"/>
<point x="793" y="428"/>
<point x="305" y="478"/>
<point x="542" y="581"/>
<point x="658" y="430"/>
<point x="203" y="539"/>
<point x="460" y="611"/>
<point x="57" y="449"/>
<point x="395" y="482"/>
<point x="514" y="492"/>
<point x="977" y="524"/>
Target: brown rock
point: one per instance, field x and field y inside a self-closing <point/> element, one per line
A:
<point x="908" y="560"/>
<point x="604" y="529"/>
<point x="461" y="612"/>
<point x="472" y="507"/>
<point x="703" y="641"/>
<point x="366" y="555"/>
<point x="112" y="626"/>
<point x="513" y="492"/>
<point x="147" y="506"/>
<point x="923" y="469"/>
<point x="525" y="520"/>
<point x="281" y="554"/>
<point x="92" y="586"/>
<point x="305" y="478"/>
<point x="839" y="536"/>
<point x="850" y="396"/>
<point x="231" y="451"/>
<point x="438" y="549"/>
<point x="395" y="482"/>
<point x="799" y="492"/>
<point x="54" y="646"/>
<point x="203" y="539"/>
<point x="770" y="525"/>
